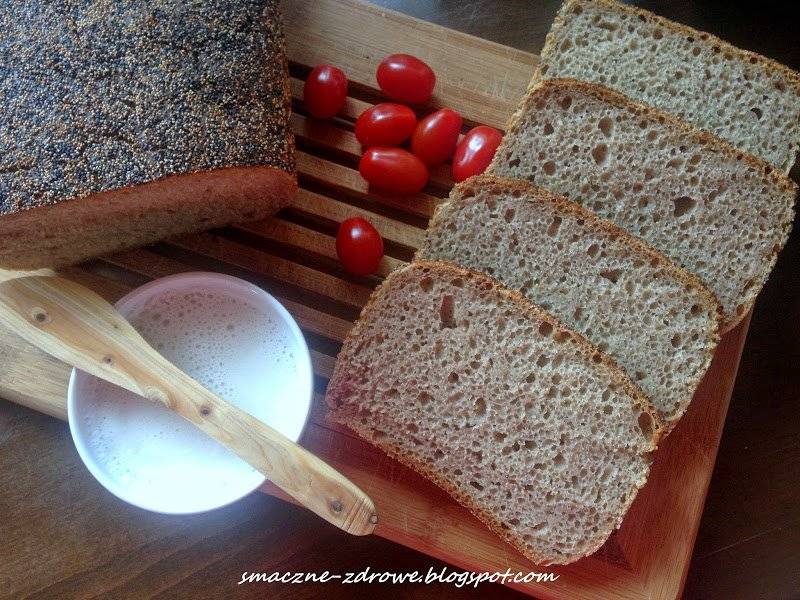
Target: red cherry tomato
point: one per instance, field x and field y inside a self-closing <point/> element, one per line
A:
<point x="385" y="124"/>
<point x="393" y="170"/>
<point x="359" y="246"/>
<point x="436" y="136"/>
<point x="406" y="78"/>
<point x="325" y="91"/>
<point x="475" y="152"/>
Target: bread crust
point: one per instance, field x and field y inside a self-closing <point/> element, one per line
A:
<point x="532" y="193"/>
<point x="67" y="232"/>
<point x="529" y="309"/>
<point x="566" y="85"/>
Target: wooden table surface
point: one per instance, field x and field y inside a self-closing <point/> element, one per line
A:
<point x="63" y="536"/>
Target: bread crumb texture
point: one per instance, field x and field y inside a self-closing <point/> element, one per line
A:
<point x="657" y="321"/>
<point x="747" y="99"/>
<point x="719" y="213"/>
<point x="101" y="95"/>
<point x="520" y="419"/>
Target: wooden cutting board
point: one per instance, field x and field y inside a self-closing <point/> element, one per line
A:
<point x="292" y="256"/>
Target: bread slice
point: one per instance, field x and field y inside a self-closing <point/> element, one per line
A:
<point x="715" y="211"/>
<point x="124" y="123"/>
<point x="657" y="321"/>
<point x="523" y="421"/>
<point x="747" y="99"/>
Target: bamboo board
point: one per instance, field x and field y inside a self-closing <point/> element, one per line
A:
<point x="292" y="256"/>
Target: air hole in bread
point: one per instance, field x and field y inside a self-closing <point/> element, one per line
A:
<point x="555" y="224"/>
<point x="646" y="424"/>
<point x="412" y="427"/>
<point x="549" y="167"/>
<point x="545" y="328"/>
<point x="426" y="283"/>
<point x="447" y="312"/>
<point x="438" y="454"/>
<point x="676" y="341"/>
<point x="674" y="163"/>
<point x="606" y="124"/>
<point x="424" y="398"/>
<point x="611" y="274"/>
<point x="480" y="407"/>
<point x="600" y="153"/>
<point x="559" y="461"/>
<point x="565" y="102"/>
<point x="683" y="205"/>
<point x="593" y="250"/>
<point x="509" y="215"/>
<point x="476" y="485"/>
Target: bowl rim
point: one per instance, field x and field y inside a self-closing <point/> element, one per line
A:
<point x="131" y="300"/>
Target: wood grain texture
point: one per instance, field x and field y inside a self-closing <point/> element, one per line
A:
<point x="102" y="546"/>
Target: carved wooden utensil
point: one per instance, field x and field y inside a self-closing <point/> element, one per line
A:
<point x="80" y="328"/>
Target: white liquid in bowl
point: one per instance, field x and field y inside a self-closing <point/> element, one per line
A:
<point x="231" y="337"/>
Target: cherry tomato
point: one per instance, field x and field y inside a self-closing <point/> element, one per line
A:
<point x="393" y="170"/>
<point x="359" y="246"/>
<point x="325" y="91"/>
<point x="406" y="78"/>
<point x="436" y="136"/>
<point x="474" y="153"/>
<point x="385" y="124"/>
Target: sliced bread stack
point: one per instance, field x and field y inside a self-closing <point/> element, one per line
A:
<point x="519" y="413"/>
<point x="714" y="210"/>
<point x="658" y="322"/>
<point x="520" y="419"/>
<point x="747" y="99"/>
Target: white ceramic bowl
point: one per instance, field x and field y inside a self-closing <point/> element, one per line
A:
<point x="233" y="337"/>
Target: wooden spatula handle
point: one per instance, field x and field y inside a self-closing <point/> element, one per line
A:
<point x="296" y="471"/>
<point x="80" y="328"/>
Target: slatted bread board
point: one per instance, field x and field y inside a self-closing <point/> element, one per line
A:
<point x="292" y="256"/>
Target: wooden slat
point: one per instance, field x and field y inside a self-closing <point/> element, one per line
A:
<point x="328" y="135"/>
<point x="292" y="234"/>
<point x="353" y="107"/>
<point x="475" y="77"/>
<point x="239" y="255"/>
<point x="152" y="265"/>
<point x="337" y="211"/>
<point x="349" y="181"/>
<point x="323" y="363"/>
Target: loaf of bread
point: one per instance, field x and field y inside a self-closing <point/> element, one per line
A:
<point x="719" y="213"/>
<point x="749" y="100"/>
<point x="521" y="420"/>
<point x="657" y="321"/>
<point x="125" y="122"/>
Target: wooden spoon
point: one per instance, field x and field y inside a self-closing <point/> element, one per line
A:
<point x="79" y="327"/>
